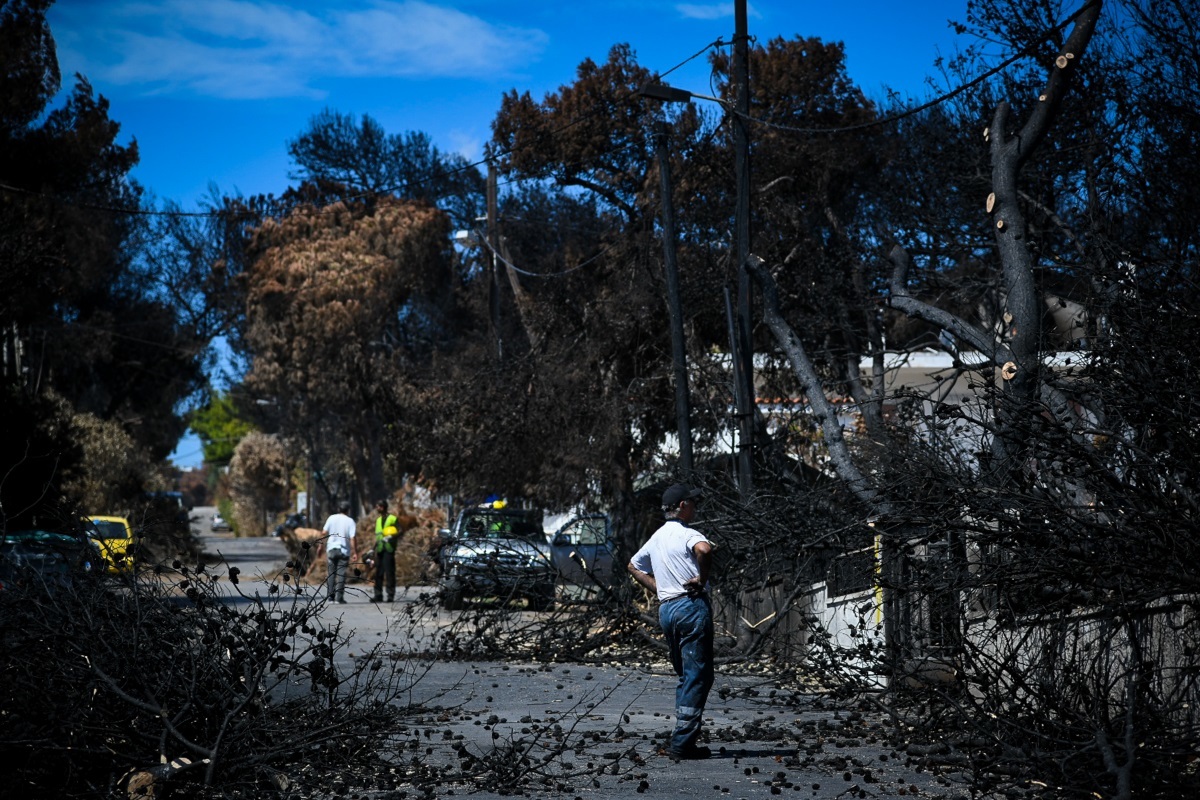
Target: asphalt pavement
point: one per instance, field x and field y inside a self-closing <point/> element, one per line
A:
<point x="596" y="730"/>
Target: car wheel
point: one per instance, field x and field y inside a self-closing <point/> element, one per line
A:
<point x="452" y="597"/>
<point x="542" y="598"/>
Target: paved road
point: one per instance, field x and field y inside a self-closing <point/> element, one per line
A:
<point x="766" y="741"/>
<point x="259" y="560"/>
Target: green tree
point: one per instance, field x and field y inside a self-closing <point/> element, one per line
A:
<point x="220" y="427"/>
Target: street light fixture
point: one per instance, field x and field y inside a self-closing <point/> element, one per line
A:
<point x="669" y="94"/>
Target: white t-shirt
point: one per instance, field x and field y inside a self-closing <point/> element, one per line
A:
<point x="341" y="533"/>
<point x="669" y="558"/>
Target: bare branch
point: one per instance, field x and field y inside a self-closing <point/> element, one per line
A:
<point x="900" y="299"/>
<point x="824" y="411"/>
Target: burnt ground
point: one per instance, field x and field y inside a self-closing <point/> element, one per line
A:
<point x="765" y="741"/>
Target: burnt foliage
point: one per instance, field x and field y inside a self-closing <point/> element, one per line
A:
<point x="177" y="681"/>
<point x="1047" y="625"/>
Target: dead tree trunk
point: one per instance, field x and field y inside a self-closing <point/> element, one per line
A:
<point x="1022" y="314"/>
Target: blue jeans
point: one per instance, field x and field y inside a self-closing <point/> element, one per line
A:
<point x="687" y="624"/>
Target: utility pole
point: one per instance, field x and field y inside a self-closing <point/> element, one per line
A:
<point x="674" y="305"/>
<point x="738" y="391"/>
<point x="743" y="356"/>
<point x="493" y="238"/>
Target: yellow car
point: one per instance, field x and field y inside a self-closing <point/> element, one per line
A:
<point x="114" y="536"/>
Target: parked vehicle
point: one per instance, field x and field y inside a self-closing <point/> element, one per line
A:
<point x="219" y="523"/>
<point x="114" y="537"/>
<point x="496" y="551"/>
<point x="505" y="553"/>
<point x="582" y="553"/>
<point x="45" y="560"/>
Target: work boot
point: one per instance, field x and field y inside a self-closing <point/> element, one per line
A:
<point x="693" y="753"/>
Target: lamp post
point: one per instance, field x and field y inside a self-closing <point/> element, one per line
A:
<point x="675" y="306"/>
<point x="740" y="340"/>
<point x="493" y="239"/>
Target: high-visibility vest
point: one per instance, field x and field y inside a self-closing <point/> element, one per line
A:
<point x="385" y="534"/>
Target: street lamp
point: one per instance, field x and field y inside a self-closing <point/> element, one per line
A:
<point x="740" y="339"/>
<point x="669" y="94"/>
<point x="674" y="305"/>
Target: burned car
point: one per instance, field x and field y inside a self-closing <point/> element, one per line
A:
<point x="496" y="551"/>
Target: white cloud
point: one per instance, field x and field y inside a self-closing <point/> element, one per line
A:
<point x="707" y="11"/>
<point x="417" y="38"/>
<point x="247" y="20"/>
<point x="466" y="144"/>
<point x="254" y="49"/>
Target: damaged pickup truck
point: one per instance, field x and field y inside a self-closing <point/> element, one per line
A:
<point x="495" y="551"/>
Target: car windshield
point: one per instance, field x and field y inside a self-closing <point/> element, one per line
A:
<point x="491" y="525"/>
<point x="109" y="529"/>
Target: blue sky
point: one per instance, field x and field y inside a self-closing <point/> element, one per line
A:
<point x="213" y="89"/>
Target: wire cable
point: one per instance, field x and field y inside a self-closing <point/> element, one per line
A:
<point x="520" y="271"/>
<point x="1022" y="53"/>
<point x="134" y="212"/>
<point x="187" y="350"/>
<point x="365" y="195"/>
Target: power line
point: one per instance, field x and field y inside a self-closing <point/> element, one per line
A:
<point x="629" y="95"/>
<point x="568" y="271"/>
<point x="133" y="212"/>
<point x="181" y="349"/>
<point x="876" y="123"/>
<point x="223" y="213"/>
<point x="1025" y="51"/>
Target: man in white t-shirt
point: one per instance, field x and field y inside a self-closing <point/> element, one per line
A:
<point x="339" y="545"/>
<point x="674" y="564"/>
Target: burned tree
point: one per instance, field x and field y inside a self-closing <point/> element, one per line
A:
<point x="1032" y="563"/>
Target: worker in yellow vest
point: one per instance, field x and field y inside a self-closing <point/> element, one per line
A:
<point x="386" y="538"/>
